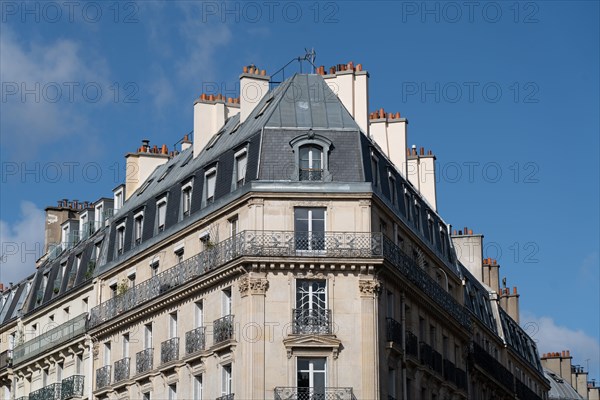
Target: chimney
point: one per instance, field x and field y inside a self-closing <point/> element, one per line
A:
<point x="469" y="250"/>
<point x="388" y="130"/>
<point x="491" y="273"/>
<point x="351" y="85"/>
<point x="254" y="85"/>
<point x="186" y="143"/>
<point x="421" y="173"/>
<point x="210" y="114"/>
<point x="55" y="217"/>
<point x="579" y="381"/>
<point x="512" y="304"/>
<point x="141" y="164"/>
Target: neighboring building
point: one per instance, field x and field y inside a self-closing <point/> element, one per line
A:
<point x="292" y="251"/>
<point x="568" y="381"/>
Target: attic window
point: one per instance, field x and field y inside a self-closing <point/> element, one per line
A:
<point x="235" y="128"/>
<point x="212" y="140"/>
<point x="187" y="160"/>
<point x="165" y="173"/>
<point x="264" y="107"/>
<point x="145" y="186"/>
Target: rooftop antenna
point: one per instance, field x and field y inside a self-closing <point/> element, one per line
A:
<point x="309" y="56"/>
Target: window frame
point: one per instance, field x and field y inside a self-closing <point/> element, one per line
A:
<point x="187" y="192"/>
<point x="161" y="203"/>
<point x="209" y="173"/>
<point x="236" y="182"/>
<point x="311" y="138"/>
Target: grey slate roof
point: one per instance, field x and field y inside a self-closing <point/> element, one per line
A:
<point x="559" y="389"/>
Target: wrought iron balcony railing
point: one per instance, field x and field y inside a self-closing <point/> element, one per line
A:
<point x="23" y="398"/>
<point x="229" y="396"/>
<point x="169" y="350"/>
<point x="122" y="369"/>
<point x="303" y="393"/>
<point x="6" y="358"/>
<point x="144" y="360"/>
<point x="412" y="344"/>
<point x="461" y="379"/>
<point x="426" y="354"/>
<point x="436" y="361"/>
<point x="449" y="371"/>
<point x="312" y="322"/>
<point x="311" y="174"/>
<point x="523" y="392"/>
<point x="223" y="329"/>
<point x="51" y="338"/>
<point x="393" y="331"/>
<point x="50" y="392"/>
<point x="103" y="377"/>
<point x="195" y="340"/>
<point x="493" y="367"/>
<point x="72" y="387"/>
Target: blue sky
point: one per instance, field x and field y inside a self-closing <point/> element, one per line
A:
<point x="506" y="95"/>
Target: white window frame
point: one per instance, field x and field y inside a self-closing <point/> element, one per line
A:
<point x="186" y="198"/>
<point x="226" y="379"/>
<point x="161" y="204"/>
<point x="138" y="227"/>
<point x="198" y="387"/>
<point x="240" y="155"/>
<point x="209" y="197"/>
<point x="120" y="238"/>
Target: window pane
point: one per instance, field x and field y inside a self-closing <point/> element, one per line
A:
<point x="162" y="208"/>
<point x="241" y="167"/>
<point x="210" y="185"/>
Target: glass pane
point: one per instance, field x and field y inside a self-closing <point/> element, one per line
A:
<point x="210" y="185"/>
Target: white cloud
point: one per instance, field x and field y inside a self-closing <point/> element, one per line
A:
<point x="21" y="243"/>
<point x="58" y="80"/>
<point x="551" y="337"/>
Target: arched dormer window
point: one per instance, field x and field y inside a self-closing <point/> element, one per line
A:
<point x="312" y="157"/>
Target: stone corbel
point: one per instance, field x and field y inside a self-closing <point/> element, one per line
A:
<point x="253" y="286"/>
<point x="369" y="288"/>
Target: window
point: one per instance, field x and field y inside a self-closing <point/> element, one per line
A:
<point x="74" y="271"/>
<point x="417" y="216"/>
<point x="392" y="383"/>
<point x="146" y="396"/>
<point x="210" y="179"/>
<point x="179" y="254"/>
<point x="311" y="314"/>
<point x="226" y="302"/>
<point x="309" y="228"/>
<point x="138" y="225"/>
<point x="154" y="265"/>
<point x="144" y="187"/>
<point x="375" y="169"/>
<point x="173" y="325"/>
<point x="113" y="290"/>
<point x="407" y="205"/>
<point x="198" y="387"/>
<point x="430" y="228"/>
<point x="186" y="199"/>
<point x="131" y="279"/>
<point x="118" y="200"/>
<point x="233" y="226"/>
<point x="66" y="311"/>
<point x="121" y="238"/>
<point x="147" y="336"/>
<point x="97" y="250"/>
<point x="84" y="303"/>
<point x="199" y="314"/>
<point x="107" y="353"/>
<point x="99" y="216"/>
<point x="390" y="304"/>
<point x="79" y="364"/>
<point x="312" y="378"/>
<point x="172" y="392"/>
<point x="392" y="187"/>
<point x="161" y="213"/>
<point x="126" y="345"/>
<point x="443" y="243"/>
<point x="226" y="380"/>
<point x="241" y="161"/>
<point x="311" y="163"/>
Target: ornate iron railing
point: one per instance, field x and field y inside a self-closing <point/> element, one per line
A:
<point x="393" y="330"/>
<point x="303" y="393"/>
<point x="412" y="344"/>
<point x="461" y="379"/>
<point x="122" y="369"/>
<point x="169" y="350"/>
<point x="144" y="360"/>
<point x="314" y="322"/>
<point x="229" y="396"/>
<point x="50" y="392"/>
<point x="103" y="377"/>
<point x="426" y="354"/>
<point x="223" y="329"/>
<point x="436" y="361"/>
<point x="195" y="340"/>
<point x="6" y="358"/>
<point x="449" y="371"/>
<point x="311" y="174"/>
<point x="524" y="393"/>
<point x="409" y="268"/>
<point x="51" y="338"/>
<point x="23" y="398"/>
<point x="493" y="367"/>
<point x="72" y="386"/>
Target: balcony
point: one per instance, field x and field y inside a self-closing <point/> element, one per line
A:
<point x="393" y="330"/>
<point x="50" y="392"/>
<point x="169" y="350"/>
<point x="449" y="371"/>
<point x="6" y="358"/>
<point x="311" y="174"/>
<point x="303" y="393"/>
<point x="50" y="339"/>
<point x="23" y="398"/>
<point x="524" y="393"/>
<point x="102" y="377"/>
<point x="144" y="361"/>
<point x="426" y="353"/>
<point x="437" y="362"/>
<point x="122" y="369"/>
<point x="195" y="340"/>
<point x="493" y="367"/>
<point x="311" y="322"/>
<point x="72" y="387"/>
<point x="226" y="397"/>
<point x="223" y="329"/>
<point x="461" y="379"/>
<point x="412" y="344"/>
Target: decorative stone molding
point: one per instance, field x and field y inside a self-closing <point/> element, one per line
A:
<point x="255" y="202"/>
<point x="369" y="288"/>
<point x="364" y="203"/>
<point x="253" y="286"/>
<point x="325" y="343"/>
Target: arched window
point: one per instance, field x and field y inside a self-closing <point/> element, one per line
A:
<point x="312" y="153"/>
<point x="311" y="163"/>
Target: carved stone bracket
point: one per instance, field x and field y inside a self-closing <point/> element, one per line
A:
<point x="253" y="286"/>
<point x="369" y="288"/>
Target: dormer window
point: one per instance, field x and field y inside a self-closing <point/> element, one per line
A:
<point x="138" y="226"/>
<point x="312" y="157"/>
<point x="186" y="199"/>
<point x="241" y="161"/>
<point x="311" y="163"/>
<point x="375" y="169"/>
<point x="210" y="179"/>
<point x="392" y="188"/>
<point x="161" y="213"/>
<point x="121" y="238"/>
